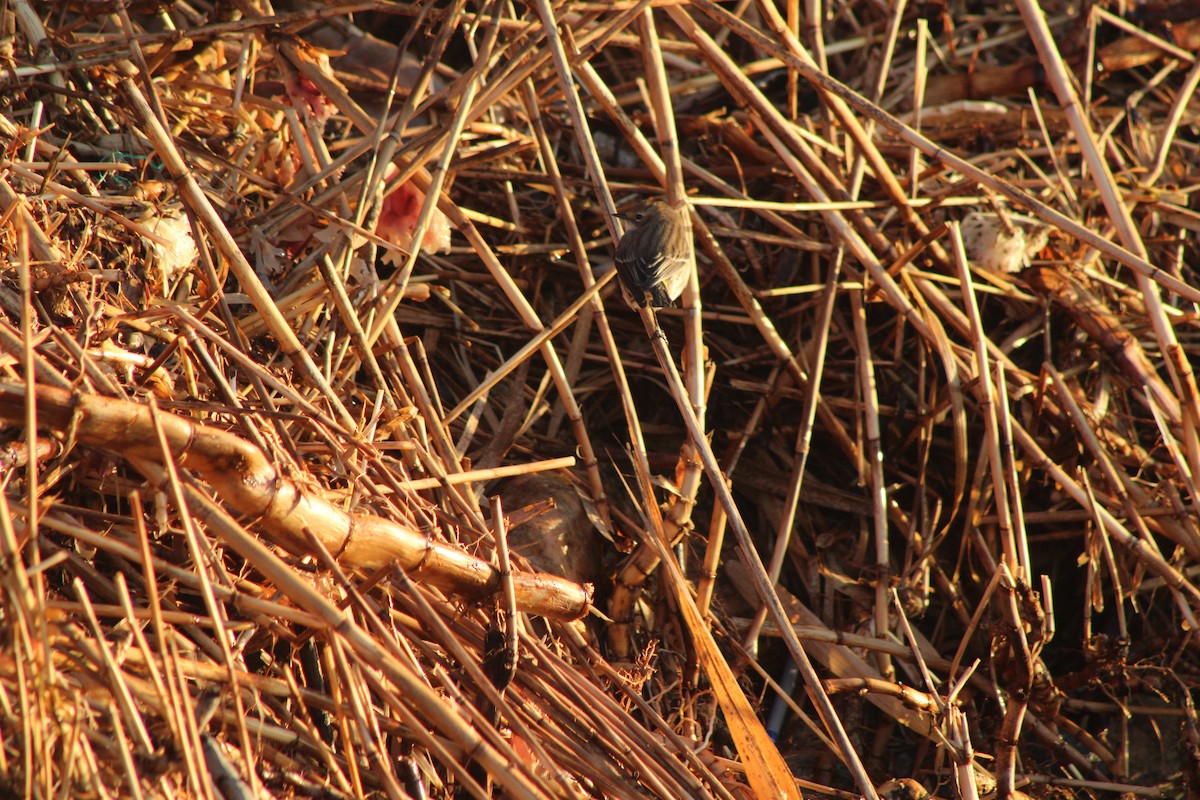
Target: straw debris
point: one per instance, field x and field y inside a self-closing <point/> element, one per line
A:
<point x="333" y="464"/>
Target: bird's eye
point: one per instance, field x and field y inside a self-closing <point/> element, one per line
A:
<point x="638" y="217"/>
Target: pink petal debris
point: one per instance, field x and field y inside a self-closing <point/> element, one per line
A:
<point x="305" y="95"/>
<point x="398" y="221"/>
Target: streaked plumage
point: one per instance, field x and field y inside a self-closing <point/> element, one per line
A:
<point x="654" y="255"/>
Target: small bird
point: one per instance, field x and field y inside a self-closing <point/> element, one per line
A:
<point x="653" y="257"/>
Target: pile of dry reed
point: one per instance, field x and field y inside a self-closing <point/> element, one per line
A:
<point x="295" y="507"/>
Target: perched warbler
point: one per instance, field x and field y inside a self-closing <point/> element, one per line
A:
<point x="654" y="255"/>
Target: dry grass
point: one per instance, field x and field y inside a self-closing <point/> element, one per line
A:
<point x="288" y="521"/>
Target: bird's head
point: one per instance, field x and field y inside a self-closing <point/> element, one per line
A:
<point x="646" y="212"/>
